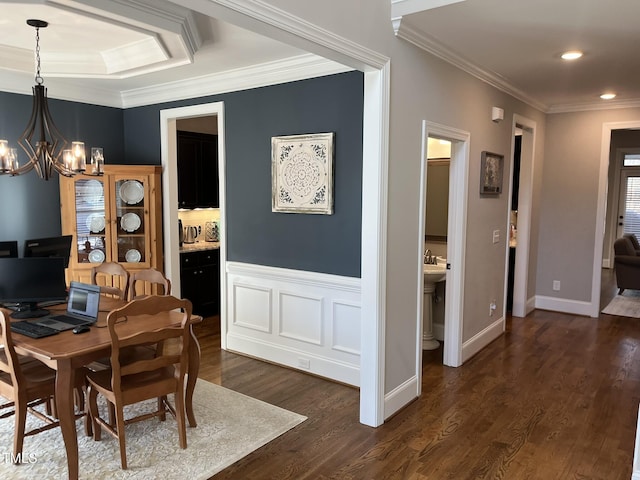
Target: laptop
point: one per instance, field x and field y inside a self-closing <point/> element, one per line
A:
<point x="82" y="308"/>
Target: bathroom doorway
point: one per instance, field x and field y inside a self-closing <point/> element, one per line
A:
<point x="435" y="247"/>
<point x="451" y="248"/>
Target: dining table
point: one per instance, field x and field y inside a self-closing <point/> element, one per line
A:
<point x="67" y="352"/>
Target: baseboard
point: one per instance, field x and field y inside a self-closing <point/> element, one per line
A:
<point x="400" y="396"/>
<point x="482" y="339"/>
<point x="530" y="305"/>
<point x="563" y="305"/>
<point x="293" y="358"/>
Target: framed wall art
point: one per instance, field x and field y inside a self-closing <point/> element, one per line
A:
<point x="302" y="173"/>
<point x="491" y="166"/>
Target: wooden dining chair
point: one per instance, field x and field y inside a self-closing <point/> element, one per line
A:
<point x="112" y="278"/>
<point x="27" y="383"/>
<point x="144" y="378"/>
<point x="149" y="281"/>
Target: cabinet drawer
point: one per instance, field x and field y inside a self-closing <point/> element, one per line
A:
<point x="201" y="258"/>
<point x="209" y="257"/>
<point x="188" y="260"/>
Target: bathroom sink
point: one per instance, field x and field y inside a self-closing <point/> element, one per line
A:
<point x="434" y="273"/>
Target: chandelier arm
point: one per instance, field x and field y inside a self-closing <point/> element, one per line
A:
<point x="45" y="152"/>
<point x="46" y="148"/>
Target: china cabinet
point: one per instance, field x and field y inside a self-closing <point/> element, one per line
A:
<point x="113" y="218"/>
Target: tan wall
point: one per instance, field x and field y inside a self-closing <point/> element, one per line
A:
<point x="426" y="88"/>
<point x="568" y="206"/>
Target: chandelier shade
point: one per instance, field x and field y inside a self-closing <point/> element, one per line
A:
<point x="46" y="148"/>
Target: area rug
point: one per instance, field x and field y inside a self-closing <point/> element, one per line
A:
<point x="625" y="305"/>
<point x="230" y="426"/>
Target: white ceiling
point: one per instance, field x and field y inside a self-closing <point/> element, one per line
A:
<point x="516" y="45"/>
<point x="124" y="54"/>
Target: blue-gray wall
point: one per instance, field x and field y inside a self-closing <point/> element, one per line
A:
<point x="319" y="243"/>
<point x="29" y="206"/>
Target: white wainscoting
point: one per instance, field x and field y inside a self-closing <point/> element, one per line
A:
<point x="303" y="320"/>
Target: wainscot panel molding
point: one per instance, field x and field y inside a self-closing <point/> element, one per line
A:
<point x="304" y="320"/>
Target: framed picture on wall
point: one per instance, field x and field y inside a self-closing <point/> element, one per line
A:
<point x="302" y="173"/>
<point x="491" y="166"/>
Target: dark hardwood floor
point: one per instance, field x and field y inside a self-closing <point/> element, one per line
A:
<point x="556" y="397"/>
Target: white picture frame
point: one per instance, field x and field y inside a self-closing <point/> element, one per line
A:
<point x="302" y="173"/>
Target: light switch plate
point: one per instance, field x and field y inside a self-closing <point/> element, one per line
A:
<point x="496" y="236"/>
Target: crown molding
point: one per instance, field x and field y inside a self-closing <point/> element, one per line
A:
<point x="338" y="48"/>
<point x="407" y="7"/>
<point x="262" y="75"/>
<point x="271" y="73"/>
<point x="61" y="89"/>
<point x="144" y="36"/>
<point x="590" y="106"/>
<point x="165" y="15"/>
<point x="430" y="45"/>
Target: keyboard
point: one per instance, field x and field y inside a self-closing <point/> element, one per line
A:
<point x="68" y="319"/>
<point x="32" y="330"/>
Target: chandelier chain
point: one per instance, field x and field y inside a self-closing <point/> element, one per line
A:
<point x="39" y="79"/>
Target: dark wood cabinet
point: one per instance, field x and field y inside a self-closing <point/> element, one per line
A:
<point x="200" y="280"/>
<point x="197" y="170"/>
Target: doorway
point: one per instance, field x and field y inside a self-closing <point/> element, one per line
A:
<point x="623" y="191"/>
<point x="168" y="140"/>
<point x="455" y="246"/>
<point x="517" y="287"/>
<point x="601" y="213"/>
<point x="435" y="247"/>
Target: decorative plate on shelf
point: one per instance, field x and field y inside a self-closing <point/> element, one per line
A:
<point x="91" y="191"/>
<point x="95" y="222"/>
<point x="130" y="222"/>
<point x="96" y="256"/>
<point x="132" y="192"/>
<point x="132" y="256"/>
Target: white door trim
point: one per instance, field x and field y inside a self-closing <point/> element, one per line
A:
<point x="168" y="154"/>
<point x="601" y="210"/>
<point x="260" y="17"/>
<point x="456" y="241"/>
<point x="527" y="168"/>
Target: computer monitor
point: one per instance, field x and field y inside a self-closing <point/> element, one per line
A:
<point x="49" y="247"/>
<point x="26" y="282"/>
<point x="9" y="249"/>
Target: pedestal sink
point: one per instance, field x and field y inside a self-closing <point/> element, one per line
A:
<point x="432" y="275"/>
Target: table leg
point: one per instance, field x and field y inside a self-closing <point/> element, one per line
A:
<point x="194" y="368"/>
<point x="66" y="414"/>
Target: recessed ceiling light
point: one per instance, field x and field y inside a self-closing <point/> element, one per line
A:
<point x="571" y="55"/>
<point x="608" y="96"/>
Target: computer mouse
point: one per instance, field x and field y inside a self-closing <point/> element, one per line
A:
<point x="81" y="329"/>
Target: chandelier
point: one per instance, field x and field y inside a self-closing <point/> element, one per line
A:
<point x="46" y="148"/>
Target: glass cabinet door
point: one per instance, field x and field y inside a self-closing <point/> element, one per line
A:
<point x="91" y="221"/>
<point x="131" y="220"/>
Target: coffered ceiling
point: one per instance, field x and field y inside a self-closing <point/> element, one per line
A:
<point x="127" y="53"/>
